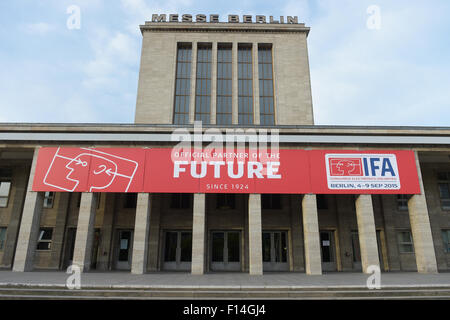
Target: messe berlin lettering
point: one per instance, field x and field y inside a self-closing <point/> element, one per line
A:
<point x="167" y="170"/>
<point x="232" y="18"/>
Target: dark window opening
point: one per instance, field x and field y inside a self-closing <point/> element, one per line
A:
<point x="271" y="201"/>
<point x="180" y="201"/>
<point x="130" y="200"/>
<point x="226" y="201"/>
<point x="45" y="239"/>
<point x="322" y="202"/>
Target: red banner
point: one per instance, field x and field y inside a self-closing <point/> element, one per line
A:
<point x="221" y="171"/>
<point x="359" y="172"/>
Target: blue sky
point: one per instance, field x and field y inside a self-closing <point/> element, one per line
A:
<point x="396" y="75"/>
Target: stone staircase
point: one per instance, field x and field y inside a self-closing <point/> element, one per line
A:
<point x="54" y="292"/>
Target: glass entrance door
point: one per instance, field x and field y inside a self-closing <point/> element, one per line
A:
<point x="225" y="251"/>
<point x="274" y="246"/>
<point x="177" y="250"/>
<point x="328" y="250"/>
<point x="124" y="249"/>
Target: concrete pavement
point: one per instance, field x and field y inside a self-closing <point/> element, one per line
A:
<point x="225" y="280"/>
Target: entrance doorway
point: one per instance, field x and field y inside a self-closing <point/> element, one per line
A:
<point x="225" y="251"/>
<point x="328" y="250"/>
<point x="123" y="249"/>
<point x="357" y="251"/>
<point x="275" y="251"/>
<point x="177" y="250"/>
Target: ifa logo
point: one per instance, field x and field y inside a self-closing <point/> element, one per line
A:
<point x="345" y="166"/>
<point x="368" y="171"/>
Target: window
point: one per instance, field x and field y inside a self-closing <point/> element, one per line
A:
<point x="265" y="72"/>
<point x="45" y="239"/>
<point x="322" y="202"/>
<point x="226" y="201"/>
<point x="224" y="86"/>
<point x="2" y="237"/>
<point x="402" y="202"/>
<point x="405" y="242"/>
<point x="446" y="239"/>
<point x="271" y="201"/>
<point x="203" y="84"/>
<point x="5" y="187"/>
<point x="48" y="199"/>
<point x="245" y="84"/>
<point x="180" y="201"/>
<point x="183" y="84"/>
<point x="444" y="189"/>
<point x="130" y="200"/>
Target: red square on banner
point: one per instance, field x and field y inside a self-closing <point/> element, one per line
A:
<point x="169" y="171"/>
<point x="90" y="170"/>
<point x="286" y="171"/>
<point x="62" y="169"/>
<point x="363" y="172"/>
<point x="227" y="172"/>
<point x="116" y="170"/>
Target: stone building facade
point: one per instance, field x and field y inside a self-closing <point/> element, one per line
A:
<point x="230" y="76"/>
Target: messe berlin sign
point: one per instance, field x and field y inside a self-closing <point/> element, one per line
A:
<point x="169" y="170"/>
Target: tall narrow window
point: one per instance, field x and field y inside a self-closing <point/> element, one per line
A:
<point x="2" y="237"/>
<point x="405" y="242"/>
<point x="245" y="84"/>
<point x="49" y="198"/>
<point x="5" y="187"/>
<point x="224" y="88"/>
<point x="445" y="238"/>
<point x="203" y="84"/>
<point x="402" y="202"/>
<point x="182" y="85"/>
<point x="444" y="189"/>
<point x="266" y="108"/>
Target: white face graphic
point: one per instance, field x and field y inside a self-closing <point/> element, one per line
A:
<point x="103" y="169"/>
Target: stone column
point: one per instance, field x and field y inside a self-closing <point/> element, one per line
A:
<point x="234" y="84"/>
<point x="198" y="234"/>
<point x="255" y="234"/>
<point x="62" y="200"/>
<point x="141" y="231"/>
<point x="366" y="232"/>
<point x="18" y="192"/>
<point x="214" y="83"/>
<point x="103" y="261"/>
<point x="193" y="82"/>
<point x="29" y="225"/>
<point x="313" y="260"/>
<point x="256" y="107"/>
<point x="85" y="231"/>
<point x="421" y="229"/>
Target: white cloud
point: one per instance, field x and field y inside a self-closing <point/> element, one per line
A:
<point x="377" y="77"/>
<point x="114" y="56"/>
<point x="40" y="28"/>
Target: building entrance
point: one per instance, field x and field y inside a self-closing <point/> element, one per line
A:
<point x="177" y="250"/>
<point x="275" y="251"/>
<point x="225" y="251"/>
<point x="123" y="250"/>
<point x="328" y="250"/>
